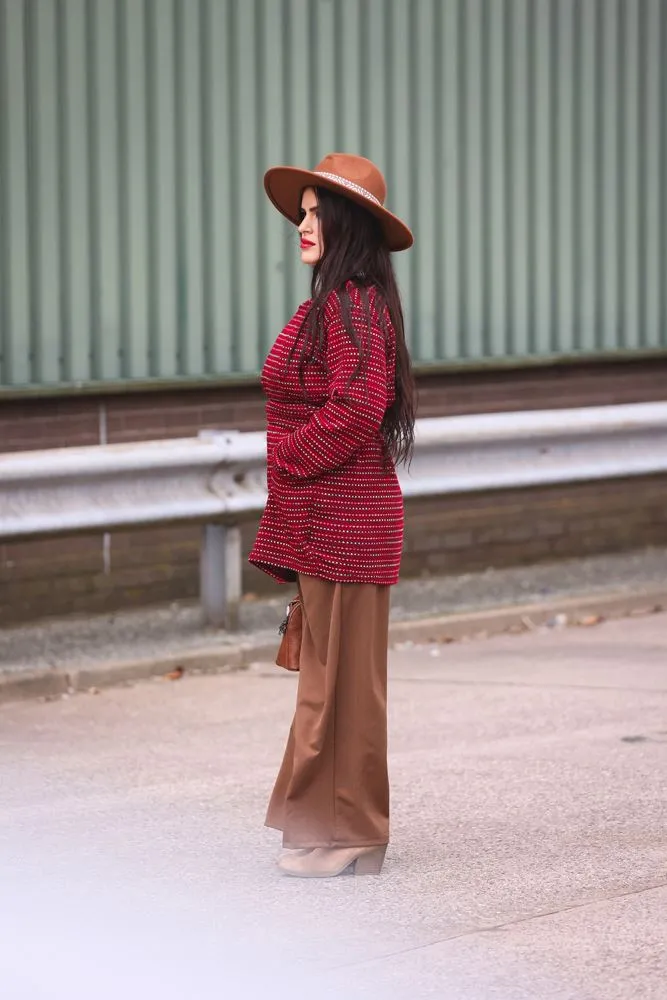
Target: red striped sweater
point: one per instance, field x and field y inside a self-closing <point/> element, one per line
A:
<point x="334" y="508"/>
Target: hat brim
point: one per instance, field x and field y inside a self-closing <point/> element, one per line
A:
<point x="284" y="185"/>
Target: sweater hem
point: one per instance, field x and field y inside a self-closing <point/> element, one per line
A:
<point x="288" y="570"/>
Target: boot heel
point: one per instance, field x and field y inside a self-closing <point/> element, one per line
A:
<point x="370" y="863"/>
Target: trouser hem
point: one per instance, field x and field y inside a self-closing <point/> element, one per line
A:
<point x="294" y="845"/>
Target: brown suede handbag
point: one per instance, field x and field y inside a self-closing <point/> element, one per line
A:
<point x="291" y="630"/>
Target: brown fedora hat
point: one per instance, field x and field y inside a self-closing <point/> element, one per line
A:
<point x="355" y="177"/>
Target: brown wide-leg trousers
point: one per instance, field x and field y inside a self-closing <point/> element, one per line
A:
<point x="333" y="789"/>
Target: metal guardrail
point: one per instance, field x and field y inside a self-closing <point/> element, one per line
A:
<point x="219" y="478"/>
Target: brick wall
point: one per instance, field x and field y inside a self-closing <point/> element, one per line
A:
<point x="31" y="423"/>
<point x="35" y="422"/>
<point x="466" y="533"/>
<point x="450" y="534"/>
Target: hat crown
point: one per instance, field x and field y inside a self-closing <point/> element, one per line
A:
<point x="357" y="170"/>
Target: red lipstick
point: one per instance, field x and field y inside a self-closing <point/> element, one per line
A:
<point x="305" y="244"/>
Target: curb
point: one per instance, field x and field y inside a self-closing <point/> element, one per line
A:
<point x="525" y="618"/>
<point x="50" y="684"/>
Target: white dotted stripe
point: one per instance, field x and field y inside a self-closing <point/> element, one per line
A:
<point x="351" y="185"/>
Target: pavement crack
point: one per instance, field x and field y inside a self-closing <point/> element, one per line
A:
<point x="516" y="922"/>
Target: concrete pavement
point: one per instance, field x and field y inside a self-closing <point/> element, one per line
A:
<point x="528" y="858"/>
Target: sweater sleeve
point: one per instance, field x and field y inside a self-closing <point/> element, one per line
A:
<point x="355" y="407"/>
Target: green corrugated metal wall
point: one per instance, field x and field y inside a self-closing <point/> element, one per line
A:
<point x="524" y="140"/>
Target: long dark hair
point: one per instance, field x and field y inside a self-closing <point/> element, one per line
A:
<point x="355" y="250"/>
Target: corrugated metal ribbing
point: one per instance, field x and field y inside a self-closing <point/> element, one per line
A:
<point x="524" y="140"/>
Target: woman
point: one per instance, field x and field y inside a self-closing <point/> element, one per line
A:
<point x="340" y="414"/>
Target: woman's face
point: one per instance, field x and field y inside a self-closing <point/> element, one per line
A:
<point x="312" y="246"/>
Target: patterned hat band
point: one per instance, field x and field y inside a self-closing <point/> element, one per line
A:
<point x="349" y="184"/>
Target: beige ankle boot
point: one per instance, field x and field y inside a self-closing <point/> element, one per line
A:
<point x="326" y="862"/>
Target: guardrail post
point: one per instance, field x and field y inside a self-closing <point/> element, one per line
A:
<point x="220" y="575"/>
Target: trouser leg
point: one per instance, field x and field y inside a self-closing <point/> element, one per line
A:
<point x="333" y="789"/>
